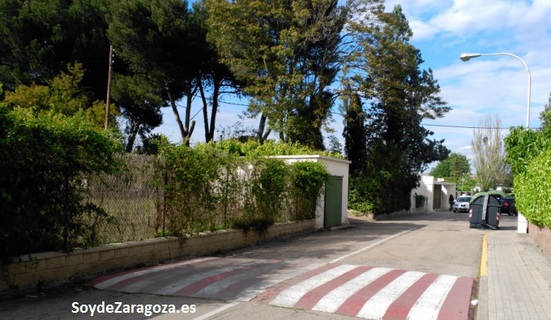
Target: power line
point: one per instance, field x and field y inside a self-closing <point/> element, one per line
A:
<point x="465" y="127"/>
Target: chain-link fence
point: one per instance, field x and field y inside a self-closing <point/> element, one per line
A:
<point x="130" y="200"/>
<point x="145" y="199"/>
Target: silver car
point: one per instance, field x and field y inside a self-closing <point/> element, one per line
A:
<point x="462" y="204"/>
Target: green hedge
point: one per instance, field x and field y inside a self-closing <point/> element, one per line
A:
<point x="233" y="185"/>
<point x="43" y="162"/>
<point x="533" y="190"/>
<point x="529" y="154"/>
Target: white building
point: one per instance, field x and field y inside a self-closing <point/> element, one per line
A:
<point x="436" y="193"/>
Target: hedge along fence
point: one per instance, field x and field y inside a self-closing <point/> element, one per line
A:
<point x="42" y="164"/>
<point x="130" y="199"/>
<point x="217" y="186"/>
<point x="63" y="184"/>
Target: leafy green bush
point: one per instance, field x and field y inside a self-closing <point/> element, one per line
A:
<point x="254" y="149"/>
<point x="533" y="190"/>
<point x="529" y="153"/>
<point x="43" y="164"/>
<point x="307" y="180"/>
<point x="233" y="184"/>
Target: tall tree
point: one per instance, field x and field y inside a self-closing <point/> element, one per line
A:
<point x="286" y="53"/>
<point x="40" y="38"/>
<point x="453" y="167"/>
<point x="155" y="40"/>
<point x="489" y="153"/>
<point x="385" y="70"/>
<point x="141" y="103"/>
<point x="214" y="77"/>
<point x="354" y="132"/>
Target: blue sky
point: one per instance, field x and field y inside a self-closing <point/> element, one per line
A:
<point x="443" y="29"/>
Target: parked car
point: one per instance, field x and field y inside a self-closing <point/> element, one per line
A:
<point x="462" y="204"/>
<point x="508" y="206"/>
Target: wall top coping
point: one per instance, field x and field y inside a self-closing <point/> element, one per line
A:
<point x="136" y="243"/>
<point x="312" y="157"/>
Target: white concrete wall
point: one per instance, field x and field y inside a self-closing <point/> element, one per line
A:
<point x="426" y="189"/>
<point x="335" y="167"/>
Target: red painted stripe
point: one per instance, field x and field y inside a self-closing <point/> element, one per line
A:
<point x="399" y="309"/>
<point x="255" y="277"/>
<point x="354" y="304"/>
<point x="309" y="300"/>
<point x="457" y="303"/>
<point x="272" y="292"/>
<point x="122" y="273"/>
<point x="200" y="285"/>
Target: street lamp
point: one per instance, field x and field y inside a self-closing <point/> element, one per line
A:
<point x="468" y="56"/>
<point x="522" y="222"/>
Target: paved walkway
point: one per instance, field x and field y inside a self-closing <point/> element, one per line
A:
<point x="518" y="285"/>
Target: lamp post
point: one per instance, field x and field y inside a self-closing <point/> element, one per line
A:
<point x="522" y="226"/>
<point x="468" y="56"/>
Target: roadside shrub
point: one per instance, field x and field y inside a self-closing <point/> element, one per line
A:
<point x="43" y="164"/>
<point x="528" y="153"/>
<point x="307" y="181"/>
<point x="533" y="190"/>
<point x="215" y="186"/>
<point x="264" y="194"/>
<point x="191" y="182"/>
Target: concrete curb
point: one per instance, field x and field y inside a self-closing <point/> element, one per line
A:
<point x="482" y="309"/>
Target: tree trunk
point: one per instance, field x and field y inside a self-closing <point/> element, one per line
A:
<point x="260" y="135"/>
<point x="132" y="136"/>
<point x="183" y="131"/>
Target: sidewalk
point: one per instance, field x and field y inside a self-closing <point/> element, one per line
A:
<point x="518" y="281"/>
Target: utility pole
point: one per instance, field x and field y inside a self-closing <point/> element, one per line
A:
<point x="108" y="100"/>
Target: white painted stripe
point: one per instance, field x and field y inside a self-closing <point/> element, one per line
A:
<point x="377" y="306"/>
<point x="115" y="280"/>
<point x="183" y="282"/>
<point x="216" y="311"/>
<point x="371" y="246"/>
<point x="212" y="289"/>
<point x="334" y="299"/>
<point x="290" y="296"/>
<point x="275" y="277"/>
<point x="429" y="304"/>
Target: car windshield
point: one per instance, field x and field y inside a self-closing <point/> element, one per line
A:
<point x="464" y="199"/>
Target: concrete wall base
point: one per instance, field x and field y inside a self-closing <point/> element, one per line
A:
<point x="541" y="237"/>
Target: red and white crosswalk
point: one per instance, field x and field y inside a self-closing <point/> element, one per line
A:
<point x="208" y="277"/>
<point x="359" y="291"/>
<point x="374" y="293"/>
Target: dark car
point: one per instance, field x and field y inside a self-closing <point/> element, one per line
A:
<point x="508" y="206"/>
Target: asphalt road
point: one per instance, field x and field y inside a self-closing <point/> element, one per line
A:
<point x="431" y="243"/>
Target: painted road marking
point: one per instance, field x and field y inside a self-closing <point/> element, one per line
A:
<point x="374" y="293"/>
<point x="429" y="304"/>
<point x="484" y="257"/>
<point x="376" y="307"/>
<point x="290" y="296"/>
<point x="332" y="301"/>
<point x="108" y="281"/>
<point x="216" y="278"/>
<point x="352" y="290"/>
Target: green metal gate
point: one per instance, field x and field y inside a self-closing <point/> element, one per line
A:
<point x="333" y="202"/>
